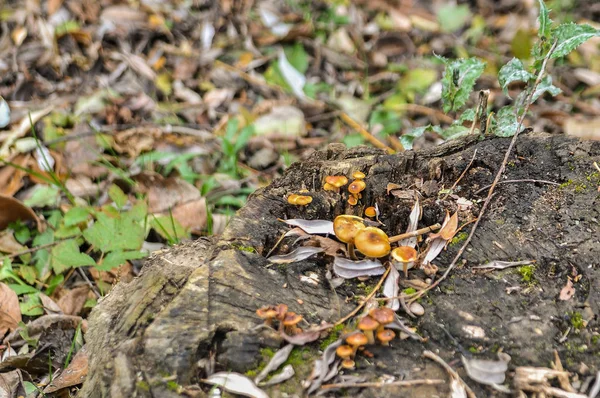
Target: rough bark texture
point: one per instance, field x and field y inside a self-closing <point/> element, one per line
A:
<point x="197" y="301"/>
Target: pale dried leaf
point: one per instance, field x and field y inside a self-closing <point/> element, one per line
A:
<point x="587" y="129"/>
<point x="73" y="300"/>
<point x="391" y="289"/>
<point x="49" y="305"/>
<point x="435" y="247"/>
<point x="322" y="366"/>
<point x="10" y="313"/>
<point x="276" y="361"/>
<point x="567" y="291"/>
<point x="292" y="77"/>
<point x="487" y="371"/>
<point x="236" y="383"/>
<point x="324" y="227"/>
<point x="299" y="254"/>
<point x="457" y="388"/>
<point x="4" y="113"/>
<point x="413" y="221"/>
<point x="306" y="336"/>
<point x="349" y="269"/>
<point x="73" y="375"/>
<point x="12" y="210"/>
<point x="286" y="373"/>
<point x="8" y="243"/>
<point x="23" y="128"/>
<point x="331" y="247"/>
<point x="496" y="264"/>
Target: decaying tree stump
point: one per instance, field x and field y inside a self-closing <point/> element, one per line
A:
<point x="197" y="301"/>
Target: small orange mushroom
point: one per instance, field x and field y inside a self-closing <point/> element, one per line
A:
<point x="368" y="325"/>
<point x="371" y="212"/>
<point x="405" y="257"/>
<point x="358" y="175"/>
<point x="356" y="187"/>
<point x="353" y="200"/>
<point x="344" y="351"/>
<point x="383" y="315"/>
<point x="290" y="320"/>
<point x="345" y="228"/>
<point x="385" y="336"/>
<point x="299" y="200"/>
<point x="356" y="340"/>
<point x="267" y="313"/>
<point x="334" y="183"/>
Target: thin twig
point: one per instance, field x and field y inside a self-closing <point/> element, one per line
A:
<point x="487" y="201"/>
<point x="514" y="181"/>
<point x="34" y="249"/>
<point x="355" y="311"/>
<point x="451" y="372"/>
<point x="90" y="284"/>
<point x="461" y="175"/>
<point x="401" y="383"/>
<point x="397" y="238"/>
<point x="362" y="131"/>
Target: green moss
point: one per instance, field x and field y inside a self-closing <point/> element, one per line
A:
<point x="459" y="237"/>
<point x="333" y="335"/>
<point x="409" y="290"/>
<point x="266" y="353"/>
<point x="247" y="249"/>
<point x="577" y="320"/>
<point x="142" y="385"/>
<point x="173" y="386"/>
<point x="595" y="340"/>
<point x="473" y="350"/>
<point x="580" y="188"/>
<point x="526" y="272"/>
<point x="298" y="356"/>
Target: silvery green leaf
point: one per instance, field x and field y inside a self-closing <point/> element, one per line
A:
<point x="506" y="122"/>
<point x="545" y="86"/>
<point x="236" y="383"/>
<point x="570" y="35"/>
<point x="278" y="359"/>
<point x="544" y="21"/>
<point x="458" y="81"/>
<point x="513" y="71"/>
<point x="349" y="269"/>
<point x="312" y="226"/>
<point x="299" y="254"/>
<point x="4" y="113"/>
<point x="407" y="139"/>
<point x="292" y="77"/>
<point x="486" y="371"/>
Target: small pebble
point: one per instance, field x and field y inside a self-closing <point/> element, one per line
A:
<point x="417" y="309"/>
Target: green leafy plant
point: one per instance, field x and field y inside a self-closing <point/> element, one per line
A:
<point x="461" y="75"/>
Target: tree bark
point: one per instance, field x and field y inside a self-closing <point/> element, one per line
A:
<point x="198" y="300"/>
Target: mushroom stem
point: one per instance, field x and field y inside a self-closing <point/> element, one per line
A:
<point x="370" y="336"/>
<point x="418" y="232"/>
<point x="351" y="251"/>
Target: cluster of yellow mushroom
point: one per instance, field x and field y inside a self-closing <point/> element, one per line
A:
<point x="371" y="326"/>
<point x="356" y="187"/>
<point x="288" y="320"/>
<point x="371" y="241"/>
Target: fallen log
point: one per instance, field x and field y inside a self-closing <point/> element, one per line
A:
<point x="193" y="306"/>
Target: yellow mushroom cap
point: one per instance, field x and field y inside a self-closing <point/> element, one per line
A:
<point x="372" y="242"/>
<point x="336" y="181"/>
<point x="291" y="319"/>
<point x="348" y="363"/>
<point x="344" y="351"/>
<point x="346" y="227"/>
<point x="357" y="186"/>
<point x="383" y="315"/>
<point x="353" y="200"/>
<point x="266" y="312"/>
<point x="359" y="175"/>
<point x="357" y="339"/>
<point x="370" y="211"/>
<point x="404" y="254"/>
<point x="328" y="187"/>
<point x="386" y="335"/>
<point x="299" y="200"/>
<point x="367" y="324"/>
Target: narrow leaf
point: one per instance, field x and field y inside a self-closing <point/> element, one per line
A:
<point x="544" y="21"/>
<point x="312" y="226"/>
<point x="299" y="254"/>
<point x="292" y="77"/>
<point x="349" y="269"/>
<point x="570" y="35"/>
<point x="413" y="221"/>
<point x="278" y="359"/>
<point x="391" y="288"/>
<point x="487" y="371"/>
<point x="4" y="113"/>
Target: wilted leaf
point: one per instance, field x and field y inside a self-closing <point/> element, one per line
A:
<point x="10" y="313"/>
<point x="72" y="301"/>
<point x="306" y="336"/>
<point x="8" y="243"/>
<point x="286" y="373"/>
<point x="322" y="365"/>
<point x="236" y="383"/>
<point x="496" y="264"/>
<point x="299" y="254"/>
<point x="567" y="291"/>
<point x="73" y="375"/>
<point x="4" y="113"/>
<point x="392" y="289"/>
<point x="413" y="221"/>
<point x="349" y="269"/>
<point x="487" y="371"/>
<point x="276" y="361"/>
<point x="312" y="226"/>
<point x="292" y="77"/>
<point x="12" y="210"/>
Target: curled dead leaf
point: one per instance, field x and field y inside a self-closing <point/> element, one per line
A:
<point x="12" y="210"/>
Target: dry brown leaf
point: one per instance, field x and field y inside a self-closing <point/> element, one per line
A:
<point x="331" y="247"/>
<point x="11" y="179"/>
<point x="71" y="302"/>
<point x="10" y="313"/>
<point x="567" y="291"/>
<point x="73" y="375"/>
<point x="12" y="210"/>
<point x="50" y="305"/>
<point x="8" y="243"/>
